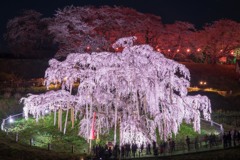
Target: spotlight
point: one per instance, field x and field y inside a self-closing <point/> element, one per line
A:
<point x="46" y="111"/>
<point x="11" y="120"/>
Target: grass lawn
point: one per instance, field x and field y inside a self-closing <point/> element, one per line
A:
<point x="10" y="150"/>
<point x="44" y="133"/>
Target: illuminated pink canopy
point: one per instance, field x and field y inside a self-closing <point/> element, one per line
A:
<point x="138" y="88"/>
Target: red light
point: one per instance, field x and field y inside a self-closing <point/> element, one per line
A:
<point x="199" y="49"/>
<point x="178" y="50"/>
<point x="221" y="50"/>
<point x="169" y="50"/>
<point x="232" y="52"/>
<point x="188" y="50"/>
<point x="158" y="49"/>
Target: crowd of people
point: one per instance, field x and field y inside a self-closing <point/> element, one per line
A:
<point x="232" y="138"/>
<point x="126" y="150"/>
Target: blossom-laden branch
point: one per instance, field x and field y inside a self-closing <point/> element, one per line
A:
<point x="138" y="88"/>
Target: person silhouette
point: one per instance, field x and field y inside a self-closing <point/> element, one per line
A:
<point x="188" y="143"/>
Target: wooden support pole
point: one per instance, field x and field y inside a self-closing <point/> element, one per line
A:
<point x="72" y="149"/>
<point x="72" y="117"/>
<point x="31" y="141"/>
<point x="87" y="120"/>
<point x="60" y="119"/>
<point x="49" y="146"/>
<point x="65" y="125"/>
<point x="16" y="137"/>
<point x="137" y="104"/>
<point x="115" y="126"/>
<point x="55" y="116"/>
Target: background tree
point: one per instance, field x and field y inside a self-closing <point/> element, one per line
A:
<point x="175" y="40"/>
<point x="27" y="35"/>
<point x="72" y="33"/>
<point x="91" y="29"/>
<point x="218" y="39"/>
<point x="79" y="29"/>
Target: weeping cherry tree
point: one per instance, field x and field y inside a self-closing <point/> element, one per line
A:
<point x="137" y="90"/>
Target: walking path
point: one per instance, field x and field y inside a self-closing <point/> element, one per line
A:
<point x="177" y="153"/>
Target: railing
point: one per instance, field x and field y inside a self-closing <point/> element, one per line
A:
<point x="66" y="147"/>
<point x="216" y="125"/>
<point x="7" y="121"/>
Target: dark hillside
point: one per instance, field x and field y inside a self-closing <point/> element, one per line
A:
<point x="24" y="68"/>
<point x="221" y="77"/>
<point x="219" y="102"/>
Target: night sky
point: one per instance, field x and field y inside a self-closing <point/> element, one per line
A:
<point x="197" y="12"/>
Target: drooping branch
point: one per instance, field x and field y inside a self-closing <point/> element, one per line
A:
<point x="148" y="91"/>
